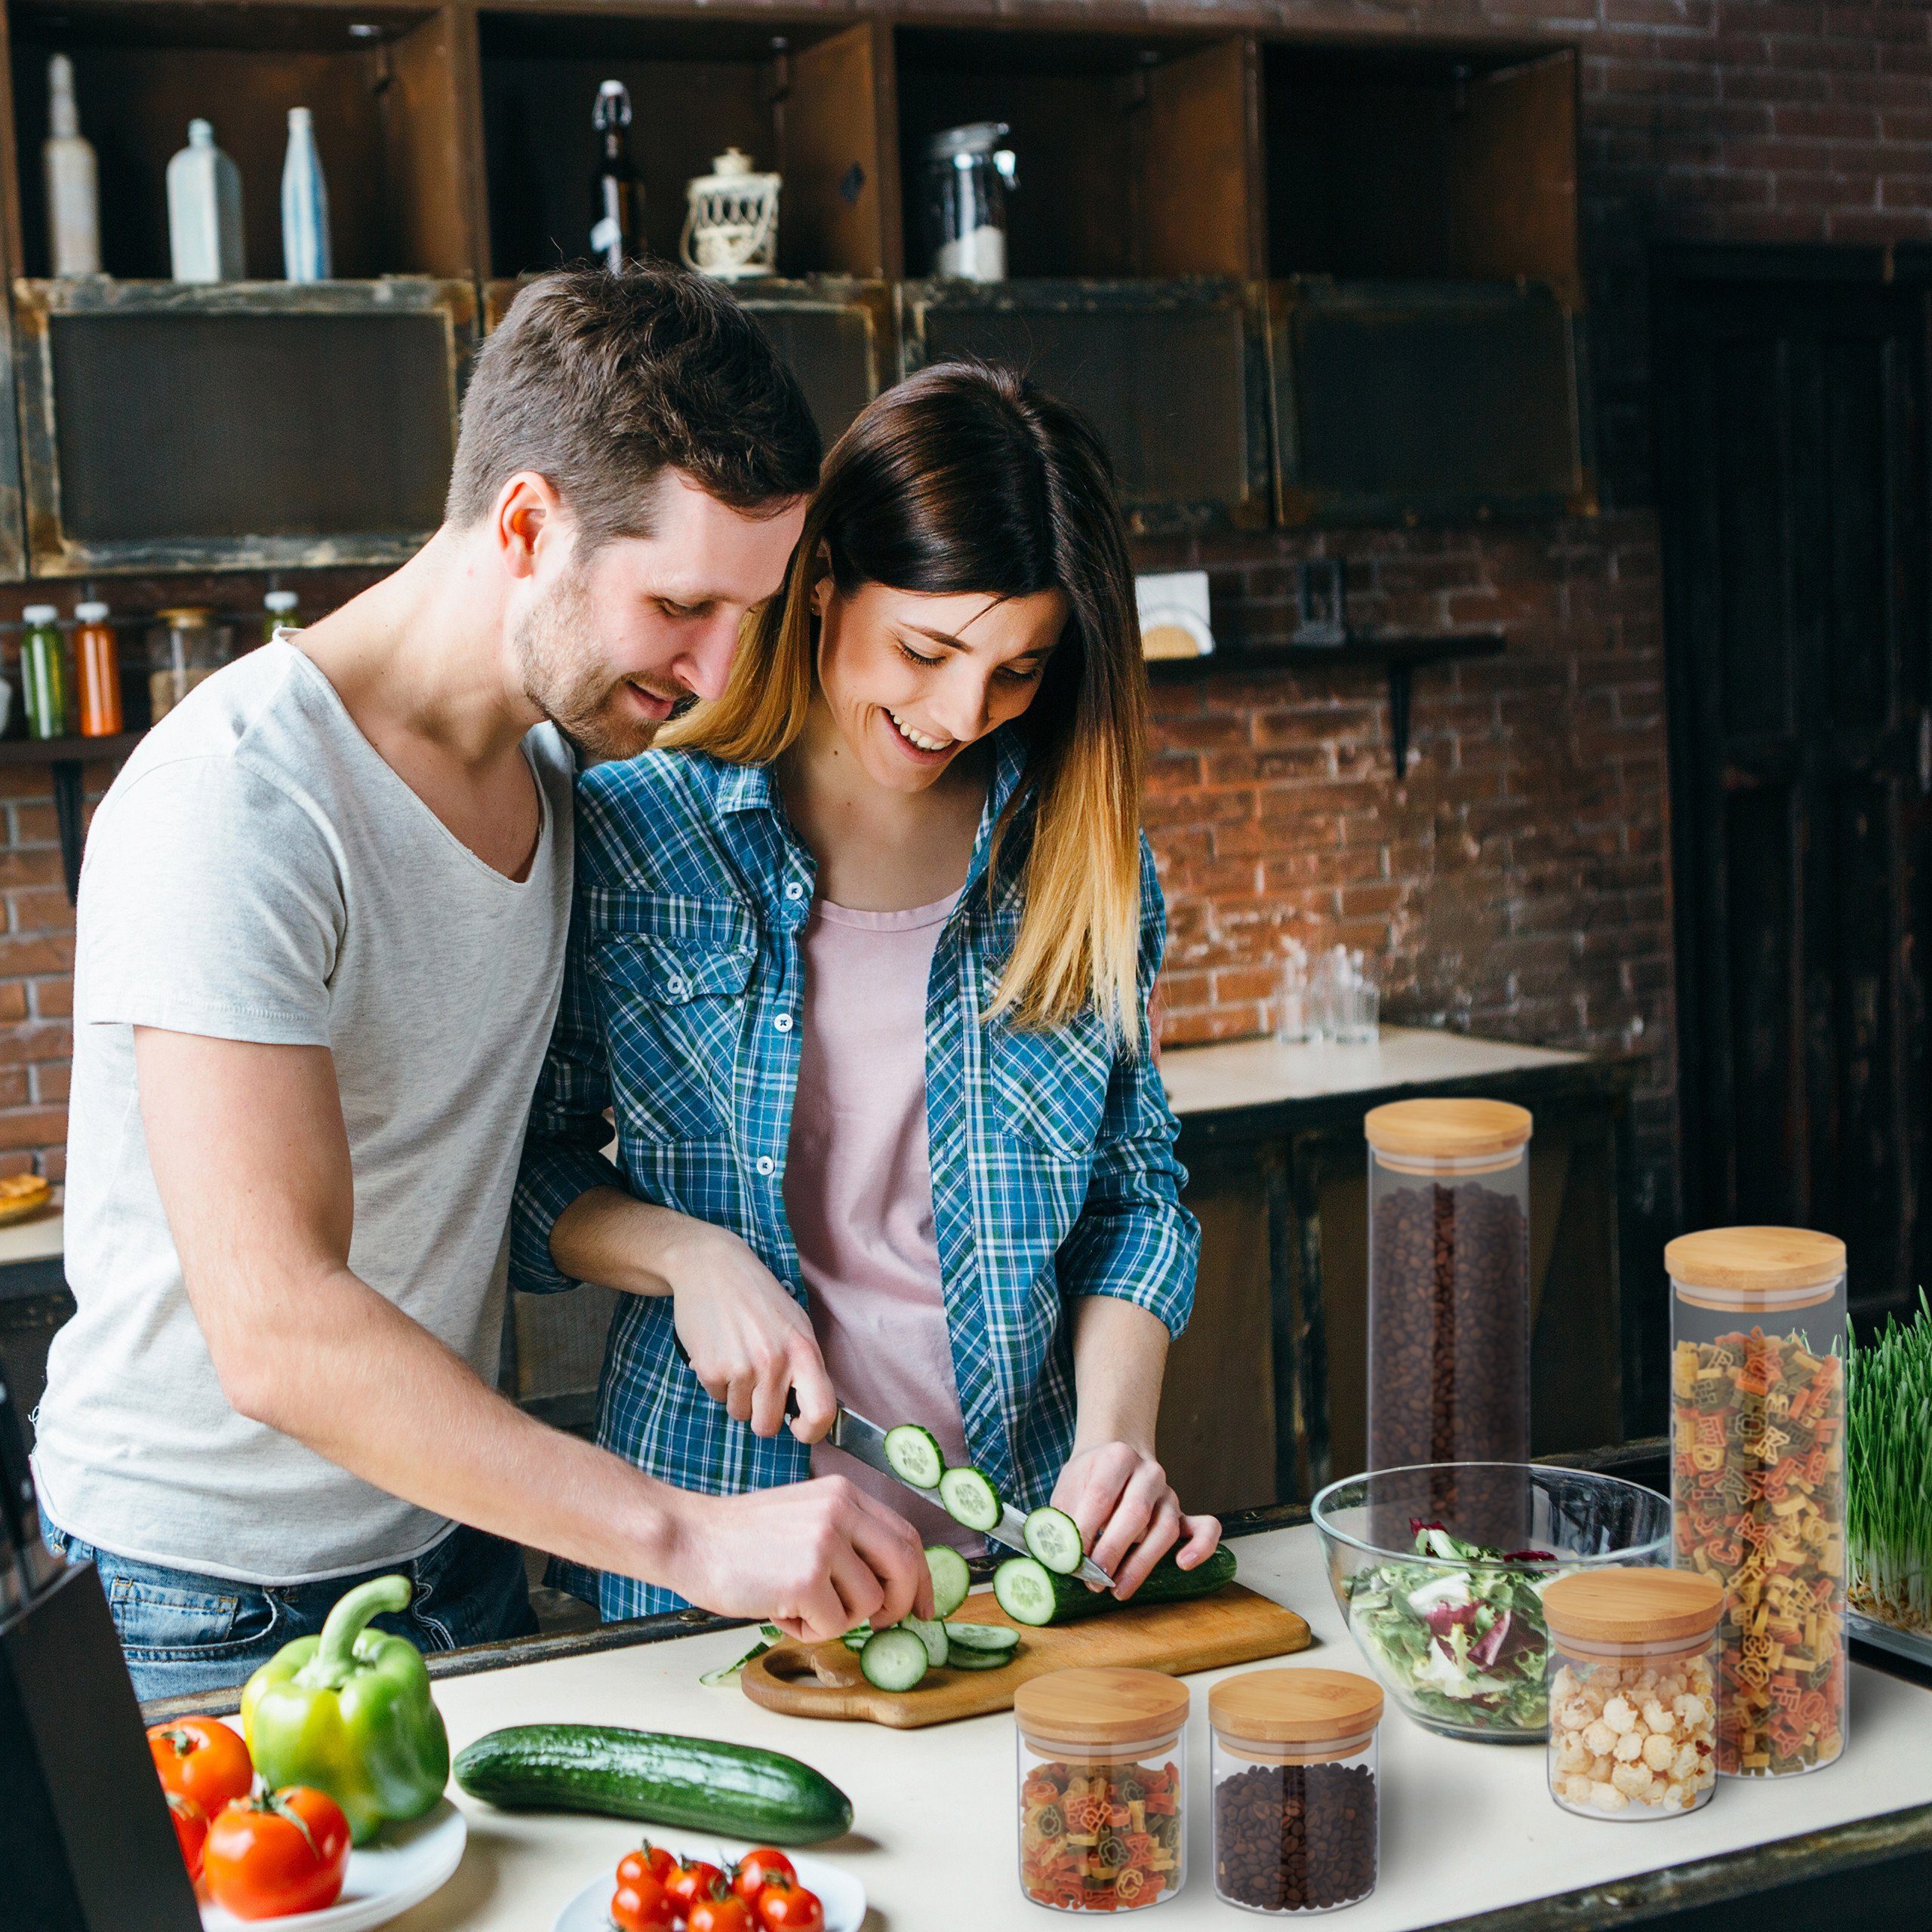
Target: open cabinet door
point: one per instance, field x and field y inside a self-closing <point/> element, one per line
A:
<point x="1512" y="188"/>
<point x="841" y="158"/>
<point x="1198" y="164"/>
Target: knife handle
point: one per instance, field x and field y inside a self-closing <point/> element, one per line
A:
<point x="685" y="1356"/>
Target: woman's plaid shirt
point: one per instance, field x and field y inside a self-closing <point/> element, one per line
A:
<point x="1054" y="1174"/>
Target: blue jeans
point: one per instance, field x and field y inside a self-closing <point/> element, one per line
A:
<point x="183" y="1634"/>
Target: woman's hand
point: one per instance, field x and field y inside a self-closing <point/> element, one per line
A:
<point x="749" y="1342"/>
<point x="1129" y="1515"/>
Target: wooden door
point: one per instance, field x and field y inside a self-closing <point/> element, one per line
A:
<point x="1792" y="447"/>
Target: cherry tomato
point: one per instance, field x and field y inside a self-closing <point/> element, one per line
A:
<point x="191" y="1831"/>
<point x="641" y="1904"/>
<point x="786" y="1906"/>
<point x="756" y="1869"/>
<point x="690" y="1883"/>
<point x="650" y="1858"/>
<point x="278" y="1852"/>
<point x="202" y="1760"/>
<point x="721" y="1914"/>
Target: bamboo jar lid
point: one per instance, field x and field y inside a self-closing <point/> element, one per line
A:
<point x="1637" y="1605"/>
<point x="1295" y="1706"/>
<point x="1101" y="1706"/>
<point x="1731" y="1264"/>
<point x="1446" y="1130"/>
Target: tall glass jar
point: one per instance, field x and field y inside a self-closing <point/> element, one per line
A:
<point x="184" y="646"/>
<point x="1758" y="1481"/>
<point x="44" y="681"/>
<point x="968" y="171"/>
<point x="1297" y="1809"/>
<point x="1633" y="1656"/>
<point x="1102" y="1789"/>
<point x="1448" y="1283"/>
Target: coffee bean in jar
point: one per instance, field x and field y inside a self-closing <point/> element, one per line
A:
<point x="1296" y="1803"/>
<point x="1449" y="1283"/>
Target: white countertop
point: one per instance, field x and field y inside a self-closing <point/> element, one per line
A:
<point x="1255" y="1073"/>
<point x="1466" y="1828"/>
<point x="37" y="1239"/>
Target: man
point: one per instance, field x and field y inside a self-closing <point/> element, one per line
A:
<point x="322" y="933"/>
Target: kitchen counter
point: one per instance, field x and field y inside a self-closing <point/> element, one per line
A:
<point x="24" y="1244"/>
<point x="1470" y="1836"/>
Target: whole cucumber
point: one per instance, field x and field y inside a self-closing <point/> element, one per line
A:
<point x="735" y="1790"/>
<point x="1072" y="1600"/>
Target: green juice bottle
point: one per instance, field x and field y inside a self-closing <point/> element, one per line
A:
<point x="44" y="673"/>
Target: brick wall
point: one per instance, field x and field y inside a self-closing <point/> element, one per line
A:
<point x="1518" y="883"/>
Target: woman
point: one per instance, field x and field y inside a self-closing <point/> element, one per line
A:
<point x="861" y="966"/>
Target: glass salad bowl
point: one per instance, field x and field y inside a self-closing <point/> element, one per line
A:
<point x="1439" y="1570"/>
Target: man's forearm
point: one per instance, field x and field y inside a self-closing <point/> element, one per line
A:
<point x="1120" y="1353"/>
<point x="613" y="1239"/>
<point x="354" y="1379"/>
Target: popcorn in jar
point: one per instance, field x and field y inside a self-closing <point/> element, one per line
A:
<point x="1633" y="1691"/>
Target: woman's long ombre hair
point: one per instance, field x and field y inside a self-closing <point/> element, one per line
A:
<point x="968" y="479"/>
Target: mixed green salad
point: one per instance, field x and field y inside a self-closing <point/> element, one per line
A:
<point x="1465" y="1647"/>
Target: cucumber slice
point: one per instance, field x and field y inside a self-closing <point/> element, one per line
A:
<point x="951" y="1579"/>
<point x="931" y="1633"/>
<point x="915" y="1455"/>
<point x="1023" y="1588"/>
<point x="995" y="1638"/>
<point x="895" y="1659"/>
<point x="728" y="1673"/>
<point x="969" y="1498"/>
<point x="961" y="1657"/>
<point x="1052" y="1537"/>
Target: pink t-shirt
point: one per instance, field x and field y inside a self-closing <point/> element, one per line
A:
<point x="859" y="1190"/>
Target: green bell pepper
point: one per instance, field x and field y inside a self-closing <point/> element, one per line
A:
<point x="349" y="1713"/>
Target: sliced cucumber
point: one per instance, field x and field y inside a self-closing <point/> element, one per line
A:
<point x="951" y="1579"/>
<point x="858" y="1637"/>
<point x="895" y="1659"/>
<point x="969" y="1498"/>
<point x="1052" y="1537"/>
<point x="995" y="1638"/>
<point x="915" y="1455"/>
<point x="932" y="1634"/>
<point x="769" y="1634"/>
<point x="1023" y="1588"/>
<point x="961" y="1658"/>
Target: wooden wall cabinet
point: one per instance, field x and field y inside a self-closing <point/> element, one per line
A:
<point x="1172" y="375"/>
<point x="168" y="426"/>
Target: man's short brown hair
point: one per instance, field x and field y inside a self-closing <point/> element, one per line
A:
<point x="599" y="381"/>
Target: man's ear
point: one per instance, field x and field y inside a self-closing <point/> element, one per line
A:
<point x="529" y="516"/>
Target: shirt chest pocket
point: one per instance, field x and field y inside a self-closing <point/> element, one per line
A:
<point x="1050" y="1088"/>
<point x="674" y="984"/>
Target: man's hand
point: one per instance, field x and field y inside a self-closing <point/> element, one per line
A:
<point x="749" y="1342"/>
<point x="1129" y="1515"/>
<point x="814" y="1558"/>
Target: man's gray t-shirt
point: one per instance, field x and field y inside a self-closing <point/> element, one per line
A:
<point x="258" y="872"/>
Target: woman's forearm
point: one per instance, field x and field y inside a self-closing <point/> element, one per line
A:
<point x="1120" y="1352"/>
<point x="613" y="1239"/>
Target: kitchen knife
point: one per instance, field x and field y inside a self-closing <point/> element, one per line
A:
<point x="866" y="1440"/>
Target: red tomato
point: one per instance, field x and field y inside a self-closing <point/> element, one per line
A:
<point x="202" y="1760"/>
<point x="756" y="1869"/>
<point x="690" y="1883"/>
<point x="191" y="1831"/>
<point x="788" y="1907"/>
<point x="641" y="1904"/>
<point x="278" y="1853"/>
<point x="650" y="1858"/>
<point x="725" y="1915"/>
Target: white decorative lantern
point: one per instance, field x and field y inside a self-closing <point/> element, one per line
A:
<point x="731" y="231"/>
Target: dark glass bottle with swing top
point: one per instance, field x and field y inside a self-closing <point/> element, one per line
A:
<point x="619" y="195"/>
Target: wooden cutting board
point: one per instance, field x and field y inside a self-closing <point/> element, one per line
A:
<point x="1234" y="1625"/>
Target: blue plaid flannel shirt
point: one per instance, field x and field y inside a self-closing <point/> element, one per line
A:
<point x="1052" y="1153"/>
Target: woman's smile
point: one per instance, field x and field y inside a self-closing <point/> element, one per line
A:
<point x="923" y="743"/>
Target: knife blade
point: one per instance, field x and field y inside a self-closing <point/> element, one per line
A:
<point x="856" y="1436"/>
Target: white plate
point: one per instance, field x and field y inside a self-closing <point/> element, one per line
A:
<point x="401" y="1869"/>
<point x="842" y="1895"/>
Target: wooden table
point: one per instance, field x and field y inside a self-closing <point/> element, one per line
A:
<point x="1470" y="1837"/>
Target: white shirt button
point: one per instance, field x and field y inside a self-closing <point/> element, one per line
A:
<point x="782" y="1021"/>
<point x="766" y="1165"/>
<point x="793" y="889"/>
<point x="676" y="985"/>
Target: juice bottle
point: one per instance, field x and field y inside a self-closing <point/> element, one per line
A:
<point x="43" y="673"/>
<point x="96" y="671"/>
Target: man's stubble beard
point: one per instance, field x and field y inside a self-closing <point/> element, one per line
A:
<point x="565" y="676"/>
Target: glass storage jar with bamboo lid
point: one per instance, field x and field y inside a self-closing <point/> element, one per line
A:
<point x="1448" y="1282"/>
<point x="1758" y="1481"/>
<point x="1102" y="1789"/>
<point x="1633" y="1691"/>
<point x="1293" y="1770"/>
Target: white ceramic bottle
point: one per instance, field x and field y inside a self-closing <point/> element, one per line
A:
<point x="204" y="210"/>
<point x="305" y="204"/>
<point x="73" y="187"/>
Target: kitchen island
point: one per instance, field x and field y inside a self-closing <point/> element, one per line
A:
<point x="1470" y="1837"/>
